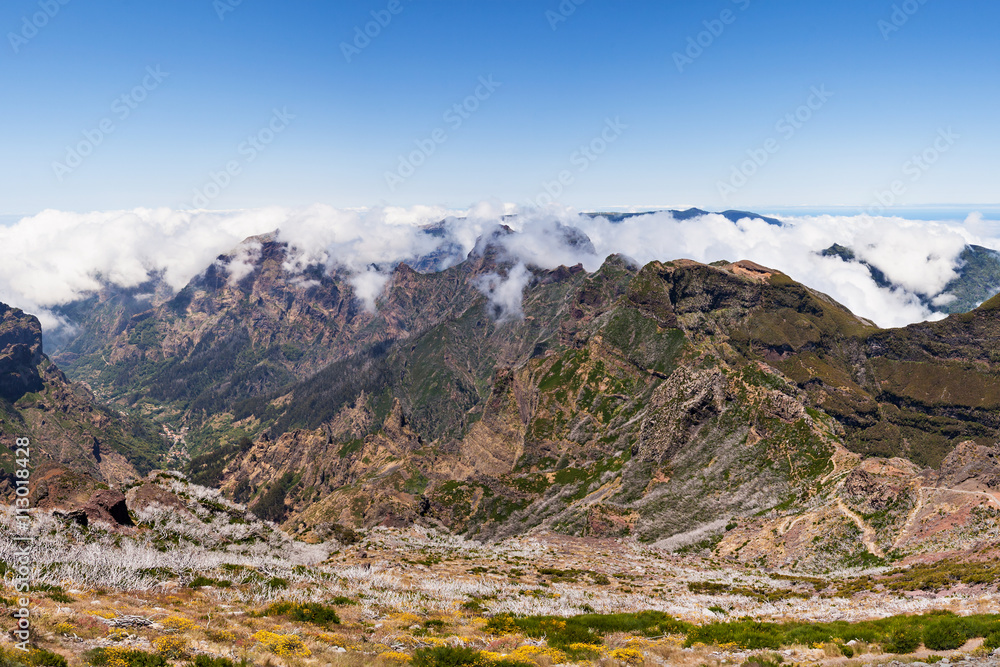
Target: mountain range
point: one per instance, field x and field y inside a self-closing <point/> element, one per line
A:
<point x="713" y="406"/>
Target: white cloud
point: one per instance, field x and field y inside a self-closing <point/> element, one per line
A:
<point x="505" y="292"/>
<point x="56" y="257"/>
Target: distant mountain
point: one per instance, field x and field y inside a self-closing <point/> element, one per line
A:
<point x="688" y="214"/>
<point x="978" y="278"/>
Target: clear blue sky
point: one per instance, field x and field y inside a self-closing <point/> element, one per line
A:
<point x="686" y="130"/>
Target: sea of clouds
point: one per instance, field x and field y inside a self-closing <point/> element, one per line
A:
<point x="56" y="257"/>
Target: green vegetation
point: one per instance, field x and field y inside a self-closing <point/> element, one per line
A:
<point x="101" y="657"/>
<point x="207" y="468"/>
<point x="271" y="505"/>
<point x="209" y="661"/>
<point x="897" y="634"/>
<point x="306" y="612"/>
<point x="927" y="577"/>
<point x="587" y="628"/>
<point x="200" y="581"/>
<point x="36" y="657"/>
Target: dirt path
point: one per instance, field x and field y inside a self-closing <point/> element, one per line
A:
<point x="867" y="532"/>
<point x="911" y="518"/>
<point x="973" y="493"/>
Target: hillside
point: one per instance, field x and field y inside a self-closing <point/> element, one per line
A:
<point x="76" y="442"/>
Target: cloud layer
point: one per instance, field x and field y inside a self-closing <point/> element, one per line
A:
<point x="56" y="257"/>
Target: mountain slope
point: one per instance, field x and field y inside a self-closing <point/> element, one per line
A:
<point x="668" y="402"/>
<point x="69" y="431"/>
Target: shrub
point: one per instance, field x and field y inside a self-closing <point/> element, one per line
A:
<point x="209" y="661"/>
<point x="116" y="656"/>
<point x="903" y="639"/>
<point x="37" y="657"/>
<point x="200" y="581"/>
<point x="285" y="646"/>
<point x="748" y="635"/>
<point x="446" y="656"/>
<point x="171" y="648"/>
<point x="177" y="624"/>
<point x="628" y="656"/>
<point x="992" y="640"/>
<point x="307" y="612"/>
<point x="772" y="660"/>
<point x="946" y="634"/>
<point x="847" y="651"/>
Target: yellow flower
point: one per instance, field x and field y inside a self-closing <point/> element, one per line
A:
<point x="396" y="656"/>
<point x="171" y="647"/>
<point x="408" y="618"/>
<point x="629" y="656"/>
<point x="177" y="624"/>
<point x="533" y="653"/>
<point x="116" y="656"/>
<point x="593" y="649"/>
<point x="333" y="640"/>
<point x="285" y="646"/>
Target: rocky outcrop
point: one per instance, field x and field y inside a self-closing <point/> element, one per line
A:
<point x="108" y="506"/>
<point x="678" y="408"/>
<point x="20" y="353"/>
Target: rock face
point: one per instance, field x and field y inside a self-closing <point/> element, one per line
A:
<point x="20" y="354"/>
<point x="108" y="506"/>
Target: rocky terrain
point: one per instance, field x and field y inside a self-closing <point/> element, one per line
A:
<point x="186" y="573"/>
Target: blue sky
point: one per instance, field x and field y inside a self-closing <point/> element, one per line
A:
<point x="679" y="132"/>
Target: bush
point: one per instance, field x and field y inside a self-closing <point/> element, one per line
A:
<point x="945" y="635"/>
<point x="903" y="639"/>
<point x="992" y="640"/>
<point x="171" y="648"/>
<point x="307" y="612"/>
<point x="748" y="635"/>
<point x="209" y="661"/>
<point x="771" y="660"/>
<point x="847" y="651"/>
<point x="285" y="646"/>
<point x="118" y="657"/>
<point x="586" y="628"/>
<point x="446" y="656"/>
<point x="37" y="657"/>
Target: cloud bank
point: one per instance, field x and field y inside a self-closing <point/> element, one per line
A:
<point x="57" y="257"/>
